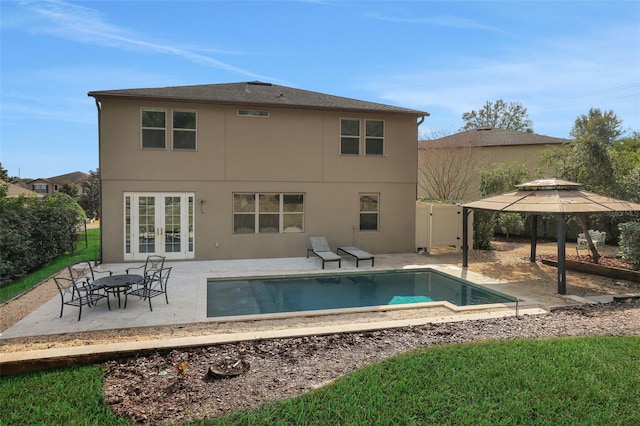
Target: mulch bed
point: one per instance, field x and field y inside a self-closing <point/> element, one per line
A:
<point x="613" y="262"/>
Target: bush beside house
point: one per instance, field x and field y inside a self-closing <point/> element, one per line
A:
<point x="35" y="231"/>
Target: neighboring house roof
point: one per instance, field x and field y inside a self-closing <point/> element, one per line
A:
<point x="255" y="94"/>
<point x="488" y="136"/>
<point x="74" y="177"/>
<point x="16" y="190"/>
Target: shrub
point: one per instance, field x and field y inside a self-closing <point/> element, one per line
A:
<point x="33" y="232"/>
<point x="630" y="243"/>
<point x="511" y="223"/>
<point x="484" y="224"/>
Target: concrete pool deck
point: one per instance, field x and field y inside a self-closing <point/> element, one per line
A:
<point x="187" y="306"/>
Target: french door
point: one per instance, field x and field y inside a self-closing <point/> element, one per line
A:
<point x="158" y="223"/>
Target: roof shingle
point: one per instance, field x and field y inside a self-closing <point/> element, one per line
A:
<point x="257" y="94"/>
<point x="488" y="136"/>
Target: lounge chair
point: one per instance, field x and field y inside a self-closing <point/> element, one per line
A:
<point x="320" y="247"/>
<point x="358" y="254"/>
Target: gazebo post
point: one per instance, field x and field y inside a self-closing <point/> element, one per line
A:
<point x="562" y="271"/>
<point x="465" y="235"/>
<point x="534" y="236"/>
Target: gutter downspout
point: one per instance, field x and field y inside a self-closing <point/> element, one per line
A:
<point x="99" y="107"/>
<point x="420" y="121"/>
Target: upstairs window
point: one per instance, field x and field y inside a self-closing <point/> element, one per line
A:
<point x="351" y="141"/>
<point x="154" y="128"/>
<point x="374" y="139"/>
<point x="349" y="136"/>
<point x="369" y="212"/>
<point x="253" y="113"/>
<point x="184" y="129"/>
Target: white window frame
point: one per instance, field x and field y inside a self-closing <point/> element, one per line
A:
<point x="358" y="137"/>
<point x="143" y="128"/>
<point x="257" y="213"/>
<point x="362" y="137"/>
<point x="174" y="129"/>
<point x="369" y="212"/>
<point x="256" y="113"/>
<point x="367" y="138"/>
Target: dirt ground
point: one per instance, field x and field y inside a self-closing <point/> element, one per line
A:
<point x="172" y="386"/>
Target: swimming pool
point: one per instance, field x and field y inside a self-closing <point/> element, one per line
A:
<point x="255" y="296"/>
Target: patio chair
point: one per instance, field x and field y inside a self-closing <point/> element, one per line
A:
<point x="73" y="295"/>
<point x="153" y="264"/>
<point x="82" y="273"/>
<point x="358" y="254"/>
<point x="84" y="276"/>
<point x="320" y="247"/>
<point x="152" y="286"/>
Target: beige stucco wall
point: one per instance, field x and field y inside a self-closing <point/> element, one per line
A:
<point x="291" y="151"/>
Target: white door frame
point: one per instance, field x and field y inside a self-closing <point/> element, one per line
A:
<point x="171" y="232"/>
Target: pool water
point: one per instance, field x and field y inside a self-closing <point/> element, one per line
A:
<point x="254" y="296"/>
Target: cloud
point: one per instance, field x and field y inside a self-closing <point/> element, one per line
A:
<point x="555" y="79"/>
<point x="449" y="21"/>
<point x="85" y="25"/>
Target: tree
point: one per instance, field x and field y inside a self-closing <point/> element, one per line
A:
<point x="501" y="178"/>
<point x="445" y="171"/>
<point x="499" y="115"/>
<point x="90" y="200"/>
<point x="4" y="175"/>
<point x="604" y="127"/>
<point x="495" y="180"/>
<point x="625" y="157"/>
<point x="599" y="160"/>
<point x="70" y="189"/>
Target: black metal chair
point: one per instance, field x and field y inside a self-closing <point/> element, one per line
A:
<point x="83" y="276"/>
<point x="74" y="295"/>
<point x="152" y="286"/>
<point x="82" y="273"/>
<point x="153" y="264"/>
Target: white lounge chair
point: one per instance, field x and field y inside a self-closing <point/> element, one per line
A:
<point x="358" y="254"/>
<point x="320" y="247"/>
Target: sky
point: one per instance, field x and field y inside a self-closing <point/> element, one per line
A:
<point x="558" y="59"/>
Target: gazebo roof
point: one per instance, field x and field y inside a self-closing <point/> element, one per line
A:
<point x="552" y="196"/>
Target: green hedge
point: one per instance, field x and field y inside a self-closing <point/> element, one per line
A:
<point x="630" y="243"/>
<point x="35" y="231"/>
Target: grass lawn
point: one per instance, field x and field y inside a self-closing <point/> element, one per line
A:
<point x="91" y="251"/>
<point x="586" y="381"/>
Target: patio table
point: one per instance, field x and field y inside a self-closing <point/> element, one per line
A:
<point x="115" y="284"/>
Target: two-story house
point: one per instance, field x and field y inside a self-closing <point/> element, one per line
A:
<point x="53" y="185"/>
<point x="252" y="170"/>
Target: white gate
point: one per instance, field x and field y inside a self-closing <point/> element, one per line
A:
<point x="440" y="225"/>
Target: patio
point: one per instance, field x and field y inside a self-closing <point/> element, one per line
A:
<point x="101" y="333"/>
<point x="187" y="294"/>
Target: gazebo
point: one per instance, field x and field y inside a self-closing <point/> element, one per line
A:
<point x="546" y="197"/>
